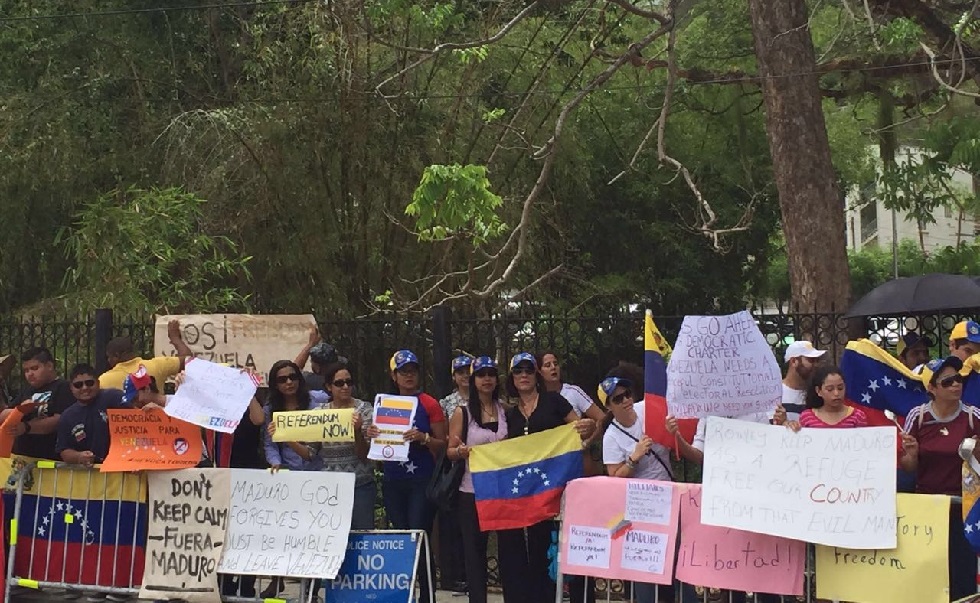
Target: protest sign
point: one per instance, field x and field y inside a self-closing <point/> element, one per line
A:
<point x="826" y="486"/>
<point x="212" y="396"/>
<point x="186" y="534"/>
<point x="722" y="366"/>
<point x="238" y="340"/>
<point x="288" y="523"/>
<point x="915" y="571"/>
<point x="393" y="415"/>
<point x="620" y="529"/>
<point x="379" y="567"/>
<point x="326" y="425"/>
<point x="150" y="440"/>
<point x="726" y="558"/>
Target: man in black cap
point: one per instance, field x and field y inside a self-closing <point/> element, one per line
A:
<point x="320" y="355"/>
<point x="913" y="349"/>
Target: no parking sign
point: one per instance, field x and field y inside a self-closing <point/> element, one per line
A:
<point x="379" y="567"/>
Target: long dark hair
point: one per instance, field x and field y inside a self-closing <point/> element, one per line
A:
<point x="275" y="400"/>
<point x="473" y="403"/>
<point x="817" y="379"/>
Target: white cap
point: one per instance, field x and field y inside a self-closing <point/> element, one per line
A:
<point x="803" y="348"/>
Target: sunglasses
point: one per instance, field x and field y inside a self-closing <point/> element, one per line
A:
<point x="84" y="383"/>
<point x="521" y="370"/>
<point x="343" y="382"/>
<point x="486" y="373"/>
<point x="287" y="378"/>
<point x="620" y="398"/>
<point x="949" y="381"/>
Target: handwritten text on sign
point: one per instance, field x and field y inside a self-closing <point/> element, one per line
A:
<point x="150" y="440"/>
<point x="185" y="537"/>
<point x="827" y="486"/>
<point x="288" y="523"/>
<point x="212" y="396"/>
<point x="734" y="559"/>
<point x="722" y="366"/>
<point x="328" y="425"/>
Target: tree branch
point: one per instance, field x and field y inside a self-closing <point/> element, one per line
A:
<point x="636" y="10"/>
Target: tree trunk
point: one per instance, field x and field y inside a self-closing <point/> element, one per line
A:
<point x="809" y="196"/>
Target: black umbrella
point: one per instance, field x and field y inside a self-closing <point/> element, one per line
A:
<point x="918" y="295"/>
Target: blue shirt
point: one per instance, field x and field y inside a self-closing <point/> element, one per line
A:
<point x="420" y="463"/>
<point x="281" y="453"/>
<point x="85" y="427"/>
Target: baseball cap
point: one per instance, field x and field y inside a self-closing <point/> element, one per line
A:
<point x="523" y="357"/>
<point x="966" y="329"/>
<point x="401" y="358"/>
<point x="134" y="382"/>
<point x="803" y="348"/>
<point x="461" y="362"/>
<point x="912" y="339"/>
<point x="609" y="385"/>
<point x="483" y="363"/>
<point x="934" y="367"/>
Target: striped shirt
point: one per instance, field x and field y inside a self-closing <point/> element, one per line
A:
<point x="855" y="417"/>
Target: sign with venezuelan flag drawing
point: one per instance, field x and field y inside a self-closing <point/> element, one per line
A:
<point x="393" y="416"/>
<point x="322" y="425"/>
<point x="915" y="571"/>
<point x="150" y="440"/>
<point x="519" y="482"/>
<point x="620" y="529"/>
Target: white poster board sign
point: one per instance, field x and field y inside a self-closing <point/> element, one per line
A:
<point x="238" y="340"/>
<point x="827" y="486"/>
<point x="212" y="396"/>
<point x="290" y="523"/>
<point x="186" y="533"/>
<point x="722" y="366"/>
<point x="393" y="416"/>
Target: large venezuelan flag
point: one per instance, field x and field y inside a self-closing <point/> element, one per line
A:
<point x="656" y="350"/>
<point x="80" y="527"/>
<point x="519" y="482"/>
<point x="971" y="386"/>
<point x="876" y="382"/>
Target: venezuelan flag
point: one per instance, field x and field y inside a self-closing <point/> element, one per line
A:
<point x="80" y="527"/>
<point x="971" y="386"/>
<point x="971" y="510"/>
<point x="655" y="354"/>
<point x="877" y="382"/>
<point x="519" y="482"/>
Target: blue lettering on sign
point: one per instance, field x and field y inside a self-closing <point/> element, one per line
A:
<point x="378" y="568"/>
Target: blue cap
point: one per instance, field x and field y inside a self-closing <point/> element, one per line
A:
<point x="933" y="367"/>
<point x="483" y="363"/>
<point x="461" y="362"/>
<point x="523" y="357"/>
<point x="609" y="385"/>
<point x="401" y="358"/>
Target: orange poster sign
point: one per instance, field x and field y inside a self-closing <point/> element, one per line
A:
<point x="151" y="440"/>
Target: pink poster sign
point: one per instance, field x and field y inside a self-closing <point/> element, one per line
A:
<point x="620" y="528"/>
<point x="726" y="558"/>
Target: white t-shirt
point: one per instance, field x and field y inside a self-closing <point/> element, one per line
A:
<point x="794" y="401"/>
<point x="579" y="400"/>
<point x="617" y="446"/>
<point x="757" y="417"/>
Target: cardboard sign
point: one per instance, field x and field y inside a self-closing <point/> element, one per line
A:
<point x="379" y="567"/>
<point x="212" y="396"/>
<point x="238" y="340"/>
<point x="150" y="440"/>
<point x="186" y="534"/>
<point x="917" y="570"/>
<point x="722" y="366"/>
<point x="394" y="415"/>
<point x="291" y="523"/>
<point x="827" y="486"/>
<point x="326" y="425"/>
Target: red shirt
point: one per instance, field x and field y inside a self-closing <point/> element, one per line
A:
<point x="940" y="465"/>
<point x="855" y="417"/>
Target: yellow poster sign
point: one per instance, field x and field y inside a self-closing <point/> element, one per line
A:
<point x="915" y="571"/>
<point x="324" y="425"/>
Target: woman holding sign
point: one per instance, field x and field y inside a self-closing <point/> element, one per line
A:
<point x="825" y="405"/>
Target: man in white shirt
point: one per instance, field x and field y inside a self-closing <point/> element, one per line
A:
<point x="801" y="358"/>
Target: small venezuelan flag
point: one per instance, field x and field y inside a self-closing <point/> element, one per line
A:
<point x="971" y="510"/>
<point x="519" y="482"/>
<point x="656" y="351"/>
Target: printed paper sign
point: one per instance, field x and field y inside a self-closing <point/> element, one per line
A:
<point x="151" y="440"/>
<point x="238" y="340"/>
<point x="743" y="561"/>
<point x="326" y="425"/>
<point x="212" y="396"/>
<point x="393" y="415"/>
<point x="915" y="571"/>
<point x="379" y="567"/>
<point x="186" y="533"/>
<point x="290" y="523"/>
<point x="827" y="486"/>
<point x="722" y="366"/>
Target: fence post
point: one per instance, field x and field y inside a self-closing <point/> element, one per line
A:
<point x="442" y="350"/>
<point x="103" y="333"/>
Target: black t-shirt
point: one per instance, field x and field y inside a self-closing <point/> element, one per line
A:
<point x="245" y="445"/>
<point x="550" y="412"/>
<point x="53" y="399"/>
<point x="86" y="426"/>
<point x="314" y="382"/>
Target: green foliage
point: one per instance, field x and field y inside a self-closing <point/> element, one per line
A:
<point x="453" y="200"/>
<point x="916" y="188"/>
<point x="145" y="251"/>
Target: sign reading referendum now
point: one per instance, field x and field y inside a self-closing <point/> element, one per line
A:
<point x="379" y="567"/>
<point x="325" y="425"/>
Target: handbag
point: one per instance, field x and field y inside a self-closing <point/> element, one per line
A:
<point x="443" y="488"/>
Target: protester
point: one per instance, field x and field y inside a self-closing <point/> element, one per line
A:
<point x="405" y="501"/>
<point x="481" y="419"/>
<point x="550" y="372"/>
<point x="123" y="360"/>
<point x="801" y="358"/>
<point x="825" y="406"/>
<point x="320" y="354"/>
<point x="964" y="339"/>
<point x="37" y="433"/>
<point x="913" y="350"/>
<point x="523" y="554"/>
<point x="452" y="570"/>
<point x="933" y="432"/>
<point x="7" y="364"/>
<point x="83" y="429"/>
